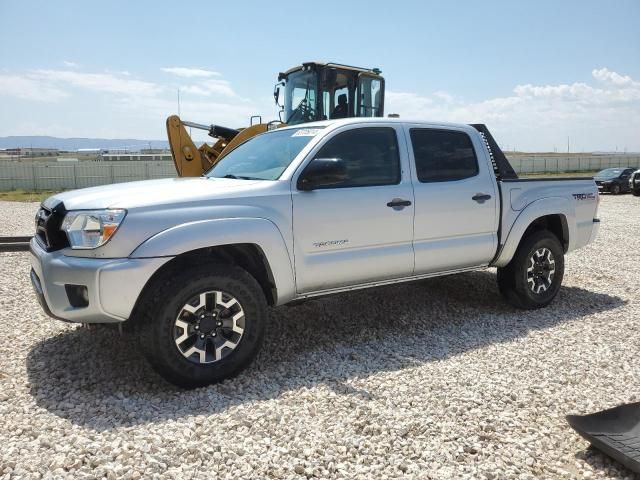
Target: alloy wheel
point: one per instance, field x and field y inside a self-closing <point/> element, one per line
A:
<point x="542" y="268"/>
<point x="209" y="327"/>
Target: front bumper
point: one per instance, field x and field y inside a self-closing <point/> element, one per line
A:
<point x="113" y="285"/>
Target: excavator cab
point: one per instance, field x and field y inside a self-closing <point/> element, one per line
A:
<point x="325" y="91"/>
<point x="310" y="92"/>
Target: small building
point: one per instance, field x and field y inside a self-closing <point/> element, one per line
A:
<point x="38" y="152"/>
<point x="154" y="151"/>
<point x="134" y="157"/>
<point x="88" y="151"/>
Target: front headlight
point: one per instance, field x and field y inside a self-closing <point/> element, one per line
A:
<point x="91" y="228"/>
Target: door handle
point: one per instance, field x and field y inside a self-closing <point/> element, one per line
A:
<point x="398" y="203"/>
<point x="481" y="197"/>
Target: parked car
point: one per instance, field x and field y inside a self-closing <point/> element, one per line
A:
<point x="296" y="213"/>
<point x="614" y="180"/>
<point x="634" y="183"/>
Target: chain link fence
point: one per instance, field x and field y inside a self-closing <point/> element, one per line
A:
<point x="56" y="176"/>
<point x="524" y="164"/>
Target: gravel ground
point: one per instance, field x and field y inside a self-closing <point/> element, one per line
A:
<point x="16" y="218"/>
<point x="436" y="379"/>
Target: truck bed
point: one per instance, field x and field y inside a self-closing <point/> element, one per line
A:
<point x="575" y="198"/>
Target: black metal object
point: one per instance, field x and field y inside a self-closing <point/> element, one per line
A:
<point x="615" y="431"/>
<point x="48" y="232"/>
<point x="398" y="202"/>
<point x="501" y="165"/>
<point x="215" y="131"/>
<point x="14" y="244"/>
<point x="481" y="197"/>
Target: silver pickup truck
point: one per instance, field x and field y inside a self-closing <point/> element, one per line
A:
<point x="191" y="264"/>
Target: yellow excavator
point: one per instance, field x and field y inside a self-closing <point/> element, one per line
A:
<point x="311" y="92"/>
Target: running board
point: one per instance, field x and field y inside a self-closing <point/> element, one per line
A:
<point x="615" y="432"/>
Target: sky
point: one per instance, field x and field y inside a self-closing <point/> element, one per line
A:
<point x="540" y="74"/>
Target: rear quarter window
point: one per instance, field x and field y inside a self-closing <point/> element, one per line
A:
<point x="443" y="155"/>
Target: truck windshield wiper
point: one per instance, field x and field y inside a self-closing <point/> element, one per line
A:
<point x="240" y="177"/>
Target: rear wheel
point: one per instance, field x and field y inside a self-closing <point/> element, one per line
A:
<point x="533" y="277"/>
<point x="636" y="192"/>
<point x="203" y="325"/>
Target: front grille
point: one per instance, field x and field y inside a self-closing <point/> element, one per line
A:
<point x="48" y="223"/>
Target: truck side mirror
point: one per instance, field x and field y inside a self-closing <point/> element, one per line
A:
<point x="276" y="94"/>
<point x="322" y="172"/>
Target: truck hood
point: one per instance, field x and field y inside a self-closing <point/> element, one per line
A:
<point x="152" y="192"/>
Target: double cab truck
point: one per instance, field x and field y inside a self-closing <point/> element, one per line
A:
<point x="192" y="264"/>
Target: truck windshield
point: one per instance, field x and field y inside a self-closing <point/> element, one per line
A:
<point x="300" y="97"/>
<point x="264" y="157"/>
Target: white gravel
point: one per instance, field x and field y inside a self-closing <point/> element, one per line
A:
<point x="17" y="218"/>
<point x="437" y="379"/>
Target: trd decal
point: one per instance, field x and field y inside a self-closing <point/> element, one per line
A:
<point x="584" y="196"/>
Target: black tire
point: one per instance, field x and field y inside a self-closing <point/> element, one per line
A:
<point x="636" y="192"/>
<point x="615" y="189"/>
<point x="166" y="300"/>
<point x="513" y="280"/>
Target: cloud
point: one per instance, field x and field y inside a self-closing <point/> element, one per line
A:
<point x="605" y="75"/>
<point x="147" y="115"/>
<point x="598" y="114"/>
<point x="540" y="117"/>
<point x="70" y="64"/>
<point x="122" y="104"/>
<point x="98" y="82"/>
<point x="210" y="87"/>
<point x="27" y="88"/>
<point x="190" y="72"/>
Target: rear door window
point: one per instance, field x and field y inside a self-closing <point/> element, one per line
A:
<point x="443" y="155"/>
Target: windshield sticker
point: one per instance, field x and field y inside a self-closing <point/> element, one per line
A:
<point x="306" y="132"/>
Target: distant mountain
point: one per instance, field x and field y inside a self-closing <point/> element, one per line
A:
<point x="72" y="144"/>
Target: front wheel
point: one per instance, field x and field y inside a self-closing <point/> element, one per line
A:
<point x="615" y="190"/>
<point x="533" y="277"/>
<point x="203" y="324"/>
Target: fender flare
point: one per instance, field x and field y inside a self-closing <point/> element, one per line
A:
<point x="529" y="214"/>
<point x="192" y="236"/>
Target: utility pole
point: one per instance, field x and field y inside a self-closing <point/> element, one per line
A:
<point x="178" y="102"/>
<point x="568" y="150"/>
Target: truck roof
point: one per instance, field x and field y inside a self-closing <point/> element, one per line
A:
<point x="365" y="120"/>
